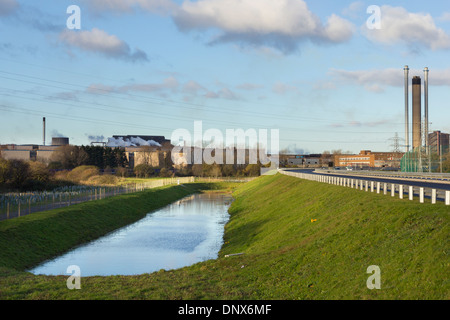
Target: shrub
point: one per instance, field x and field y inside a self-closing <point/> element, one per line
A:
<point x="83" y="173"/>
<point x="164" y="172"/>
<point x="144" y="171"/>
<point x="20" y="171"/>
<point x="39" y="172"/>
<point x="103" y="180"/>
<point x="122" y="172"/>
<point x="5" y="171"/>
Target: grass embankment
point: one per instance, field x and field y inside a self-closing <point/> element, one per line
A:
<point x="301" y="239"/>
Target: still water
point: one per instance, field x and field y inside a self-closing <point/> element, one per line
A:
<point x="180" y="234"/>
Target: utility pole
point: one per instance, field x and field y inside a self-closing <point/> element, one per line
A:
<point x="396" y="143"/>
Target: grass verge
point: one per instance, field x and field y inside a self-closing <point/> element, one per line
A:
<point x="300" y="239"/>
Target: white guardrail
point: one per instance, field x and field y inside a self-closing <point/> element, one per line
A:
<point x="432" y="177"/>
<point x="403" y="190"/>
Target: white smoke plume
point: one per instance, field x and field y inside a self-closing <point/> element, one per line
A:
<point x="132" y="142"/>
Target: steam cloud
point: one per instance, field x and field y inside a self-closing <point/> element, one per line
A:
<point x="132" y="142"/>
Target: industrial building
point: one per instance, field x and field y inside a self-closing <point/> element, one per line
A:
<point x="32" y="152"/>
<point x="143" y="149"/>
<point x="369" y="159"/>
<point x="416" y="120"/>
<point x="439" y="142"/>
<point x="419" y="155"/>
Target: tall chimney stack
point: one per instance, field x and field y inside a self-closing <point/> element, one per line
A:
<point x="417" y="112"/>
<point x="406" y="71"/>
<point x="425" y="84"/>
<point x="43" y="131"/>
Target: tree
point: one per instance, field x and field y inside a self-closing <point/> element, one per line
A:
<point x="228" y="170"/>
<point x="5" y="171"/>
<point x="70" y="156"/>
<point x="39" y="172"/>
<point x="164" y="172"/>
<point x="253" y="170"/>
<point x="144" y="170"/>
<point x="20" y="172"/>
<point x="197" y="170"/>
<point x="446" y="163"/>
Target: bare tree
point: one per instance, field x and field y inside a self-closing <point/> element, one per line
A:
<point x="70" y="156"/>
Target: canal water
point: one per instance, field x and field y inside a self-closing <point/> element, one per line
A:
<point x="178" y="235"/>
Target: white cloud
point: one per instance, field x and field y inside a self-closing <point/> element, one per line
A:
<point x="121" y="6"/>
<point x="354" y="10"/>
<point x="169" y="83"/>
<point x="283" y="88"/>
<point x="8" y="6"/>
<point x="445" y="17"/>
<point x="398" y="26"/>
<point x="377" y="80"/>
<point x="282" y="24"/>
<point x="223" y="93"/>
<point x="372" y="79"/>
<point x="249" y="86"/>
<point x="99" y="41"/>
<point x="193" y="87"/>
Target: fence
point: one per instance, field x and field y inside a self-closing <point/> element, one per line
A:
<point x="224" y="179"/>
<point x="14" y="205"/>
<point x="402" y="190"/>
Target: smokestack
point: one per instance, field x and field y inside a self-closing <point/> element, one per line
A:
<point x="43" y="131"/>
<point x="425" y="84"/>
<point x="406" y="70"/>
<point x="417" y="111"/>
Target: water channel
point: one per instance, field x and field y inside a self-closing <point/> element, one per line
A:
<point x="180" y="234"/>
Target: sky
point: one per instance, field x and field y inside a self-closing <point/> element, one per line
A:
<point x="326" y="74"/>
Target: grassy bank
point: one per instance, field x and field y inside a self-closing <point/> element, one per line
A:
<point x="31" y="239"/>
<point x="300" y="239"/>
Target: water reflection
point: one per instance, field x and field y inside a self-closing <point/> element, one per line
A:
<point x="183" y="233"/>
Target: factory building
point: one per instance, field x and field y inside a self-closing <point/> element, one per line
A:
<point x="369" y="159"/>
<point x="439" y="142"/>
<point x="143" y="149"/>
<point x="32" y="152"/>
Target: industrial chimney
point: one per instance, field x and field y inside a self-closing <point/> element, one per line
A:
<point x="43" y="131"/>
<point x="406" y="70"/>
<point x="425" y="84"/>
<point x="416" y="110"/>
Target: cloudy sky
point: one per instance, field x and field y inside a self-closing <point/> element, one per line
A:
<point x="321" y="72"/>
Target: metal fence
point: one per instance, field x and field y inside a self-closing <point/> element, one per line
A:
<point x="403" y="191"/>
<point x="14" y="205"/>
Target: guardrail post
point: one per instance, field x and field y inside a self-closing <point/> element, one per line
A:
<point x="367" y="185"/>
<point x="411" y="193"/>
<point x="385" y="188"/>
<point x="447" y="198"/>
<point x="360" y="185"/>
<point x="400" y="191"/>
<point x="421" y="195"/>
<point x="392" y="190"/>
<point x="433" y="196"/>
<point x="378" y="187"/>
<point x="371" y="186"/>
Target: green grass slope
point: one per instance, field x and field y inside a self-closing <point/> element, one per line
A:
<point x="300" y="239"/>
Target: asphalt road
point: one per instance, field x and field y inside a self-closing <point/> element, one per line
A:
<point x="409" y="182"/>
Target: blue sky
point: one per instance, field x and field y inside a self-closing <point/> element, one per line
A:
<point x="311" y="69"/>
